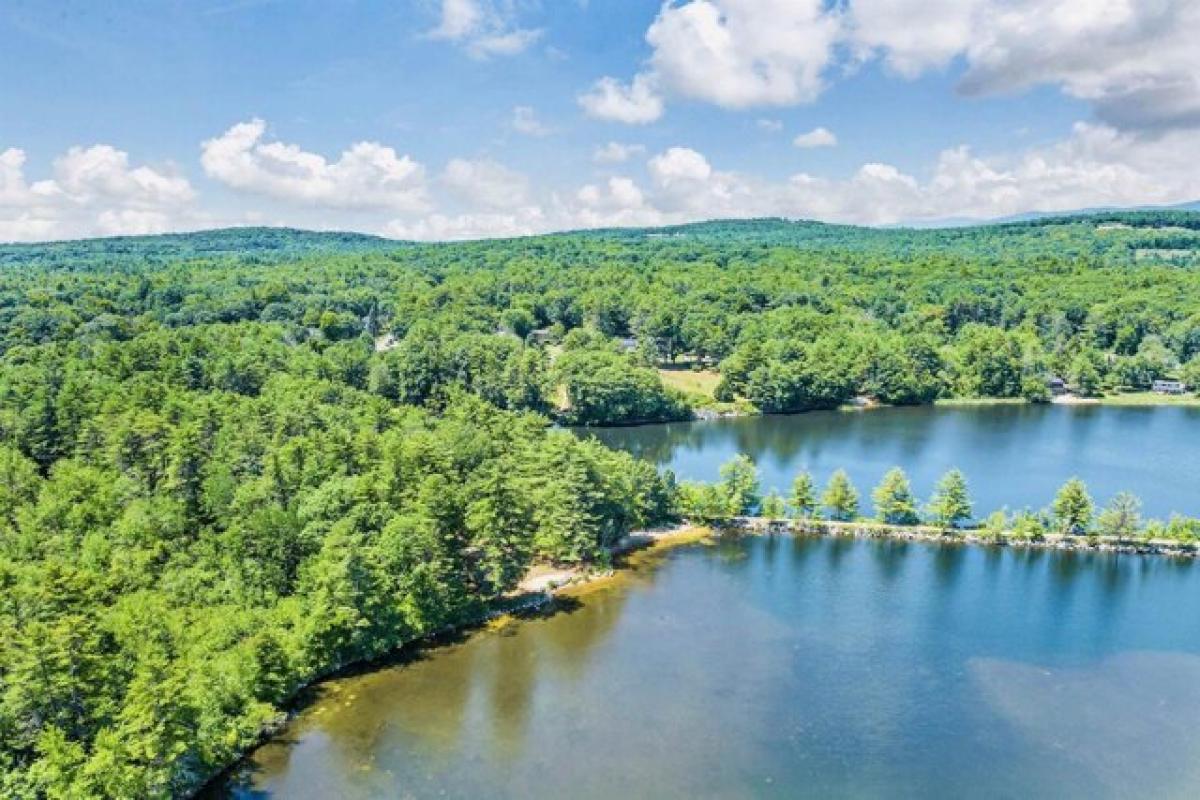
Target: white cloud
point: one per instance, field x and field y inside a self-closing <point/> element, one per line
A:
<point x="617" y="153"/>
<point x="637" y="103"/>
<point x="743" y="53"/>
<point x="1097" y="165"/>
<point x="483" y="28"/>
<point x="1136" y="62"/>
<point x="687" y="185"/>
<point x="525" y="120"/>
<point x="912" y="35"/>
<point x="366" y="176"/>
<point x="94" y="191"/>
<point x="679" y="165"/>
<point x="459" y="19"/>
<point x="617" y="203"/>
<point x="486" y="184"/>
<point x="102" y="173"/>
<point x="817" y="137"/>
<point x="769" y="125"/>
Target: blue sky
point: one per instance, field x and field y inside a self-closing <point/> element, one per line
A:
<point x="462" y="118"/>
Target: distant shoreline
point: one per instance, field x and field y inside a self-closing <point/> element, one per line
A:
<point x="870" y="529"/>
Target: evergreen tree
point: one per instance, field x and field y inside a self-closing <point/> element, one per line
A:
<point x="1073" y="507"/>
<point x="773" y="506"/>
<point x="739" y="482"/>
<point x="803" y="499"/>
<point x="840" y="497"/>
<point x="894" y="501"/>
<point x="951" y="505"/>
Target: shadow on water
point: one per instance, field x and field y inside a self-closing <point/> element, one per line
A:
<point x="948" y="563"/>
<point x="889" y="554"/>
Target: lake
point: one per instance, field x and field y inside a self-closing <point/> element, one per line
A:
<point x="787" y="667"/>
<point x="1013" y="455"/>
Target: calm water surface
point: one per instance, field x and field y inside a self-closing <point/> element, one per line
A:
<point x="780" y="667"/>
<point x="1013" y="456"/>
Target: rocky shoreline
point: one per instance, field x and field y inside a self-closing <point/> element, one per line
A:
<point x="868" y="529"/>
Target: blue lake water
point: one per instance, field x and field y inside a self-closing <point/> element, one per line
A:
<point x="780" y="667"/>
<point x="1013" y="455"/>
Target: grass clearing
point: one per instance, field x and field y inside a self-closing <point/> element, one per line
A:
<point x="702" y="382"/>
<point x="1150" y="399"/>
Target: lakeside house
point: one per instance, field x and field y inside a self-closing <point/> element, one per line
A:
<point x="1167" y="386"/>
<point x="1056" y="385"/>
<point x="539" y="336"/>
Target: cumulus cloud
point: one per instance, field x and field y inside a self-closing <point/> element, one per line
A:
<point x="616" y="153"/>
<point x="635" y="103"/>
<point x="911" y="36"/>
<point x="1135" y="61"/>
<point x="817" y="137"/>
<point x="485" y="184"/>
<point x="1098" y="165"/>
<point x="94" y="191"/>
<point x="483" y="28"/>
<point x="525" y="120"/>
<point x="619" y="202"/>
<point x="742" y="53"/>
<point x="369" y="175"/>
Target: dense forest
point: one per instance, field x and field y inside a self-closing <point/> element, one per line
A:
<point x="236" y="461"/>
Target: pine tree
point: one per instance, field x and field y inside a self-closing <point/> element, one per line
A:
<point x="951" y="504"/>
<point x="804" y="496"/>
<point x="840" y="497"/>
<point x="894" y="501"/>
<point x="773" y="506"/>
<point x="739" y="481"/>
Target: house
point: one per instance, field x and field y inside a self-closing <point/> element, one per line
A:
<point x="628" y="344"/>
<point x="1168" y="386"/>
<point x="539" y="336"/>
<point x="1056" y="385"/>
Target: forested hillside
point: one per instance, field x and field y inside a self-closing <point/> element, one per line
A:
<point x="234" y="461"/>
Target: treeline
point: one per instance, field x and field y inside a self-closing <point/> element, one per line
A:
<point x="195" y="522"/>
<point x="950" y="508"/>
<point x="793" y="315"/>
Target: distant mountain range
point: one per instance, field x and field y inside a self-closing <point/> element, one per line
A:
<point x="277" y="243"/>
<point x="1029" y="216"/>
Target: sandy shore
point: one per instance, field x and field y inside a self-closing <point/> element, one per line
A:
<point x="548" y="579"/>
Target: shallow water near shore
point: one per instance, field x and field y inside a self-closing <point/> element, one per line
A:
<point x="776" y="666"/>
<point x="1013" y="455"/>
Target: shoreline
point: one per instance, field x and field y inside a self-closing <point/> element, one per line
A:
<point x="709" y="413"/>
<point x="870" y="529"/>
<point x="535" y="592"/>
<point x="538" y="589"/>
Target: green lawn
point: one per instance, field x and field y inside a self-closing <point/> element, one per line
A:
<point x="1150" y="399"/>
<point x="702" y="382"/>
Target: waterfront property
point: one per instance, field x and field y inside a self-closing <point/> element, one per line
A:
<point x="1168" y="386"/>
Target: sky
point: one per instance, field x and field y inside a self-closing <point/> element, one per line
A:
<point x="451" y="119"/>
